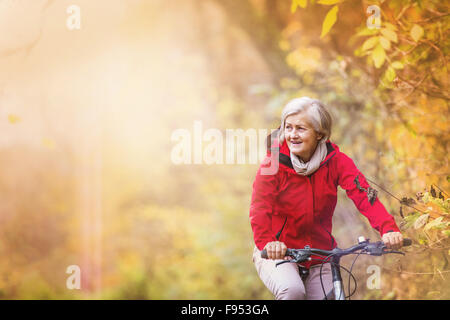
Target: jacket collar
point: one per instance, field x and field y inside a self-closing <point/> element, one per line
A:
<point x="285" y="154"/>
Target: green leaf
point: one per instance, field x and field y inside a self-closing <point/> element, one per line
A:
<point x="397" y="65"/>
<point x="378" y="56"/>
<point x="329" y="21"/>
<point x="446" y="233"/>
<point x="416" y="32"/>
<point x="389" y="34"/>
<point x="369" y="43"/>
<point x="410" y="220"/>
<point x="436" y="223"/>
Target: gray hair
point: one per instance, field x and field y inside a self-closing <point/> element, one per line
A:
<point x="318" y="116"/>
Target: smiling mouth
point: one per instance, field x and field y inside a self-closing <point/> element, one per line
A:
<point x="295" y="143"/>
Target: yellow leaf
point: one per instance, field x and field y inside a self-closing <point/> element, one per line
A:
<point x="330" y="20"/>
<point x="329" y="2"/>
<point x="397" y="65"/>
<point x="302" y="3"/>
<point x="385" y="43"/>
<point x="416" y="32"/>
<point x="390" y="26"/>
<point x="13" y="118"/>
<point x="389" y="34"/>
<point x="366" y="32"/>
<point x="378" y="56"/>
<point x="298" y="3"/>
<point x="369" y="43"/>
<point x="389" y="74"/>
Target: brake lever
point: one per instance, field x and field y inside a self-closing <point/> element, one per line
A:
<point x="378" y="249"/>
<point x="375" y="249"/>
<point x="385" y="250"/>
<point x="393" y="251"/>
<point x="296" y="258"/>
<point x="285" y="261"/>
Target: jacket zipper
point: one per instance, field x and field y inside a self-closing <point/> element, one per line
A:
<point x="277" y="236"/>
<point x="320" y="219"/>
<point x="312" y="193"/>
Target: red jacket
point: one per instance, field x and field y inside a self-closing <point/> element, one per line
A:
<point x="304" y="205"/>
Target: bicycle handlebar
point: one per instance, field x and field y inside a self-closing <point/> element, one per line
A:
<point x="367" y="247"/>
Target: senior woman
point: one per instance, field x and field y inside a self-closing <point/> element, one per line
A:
<point x="293" y="206"/>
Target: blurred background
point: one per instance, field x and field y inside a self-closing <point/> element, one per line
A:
<point x="92" y="91"/>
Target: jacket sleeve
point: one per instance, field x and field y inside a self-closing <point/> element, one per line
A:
<point x="356" y="187"/>
<point x="261" y="207"/>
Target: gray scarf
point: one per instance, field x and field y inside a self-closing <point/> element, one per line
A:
<point x="307" y="168"/>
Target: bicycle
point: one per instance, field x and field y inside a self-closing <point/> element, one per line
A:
<point x="334" y="256"/>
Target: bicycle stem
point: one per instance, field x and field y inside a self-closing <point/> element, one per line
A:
<point x="336" y="278"/>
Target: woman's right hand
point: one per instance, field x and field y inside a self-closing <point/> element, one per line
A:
<point x="275" y="250"/>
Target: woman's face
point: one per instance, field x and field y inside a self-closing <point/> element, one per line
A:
<point x="300" y="136"/>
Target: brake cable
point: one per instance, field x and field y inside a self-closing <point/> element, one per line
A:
<point x="351" y="268"/>
<point x="340" y="267"/>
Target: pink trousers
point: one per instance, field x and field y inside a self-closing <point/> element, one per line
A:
<point x="285" y="283"/>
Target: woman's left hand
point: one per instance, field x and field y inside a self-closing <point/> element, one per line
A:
<point x="393" y="240"/>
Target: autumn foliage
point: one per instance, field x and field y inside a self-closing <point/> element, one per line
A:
<point x="87" y="116"/>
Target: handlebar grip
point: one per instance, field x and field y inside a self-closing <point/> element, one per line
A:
<point x="264" y="254"/>
<point x="407" y="242"/>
